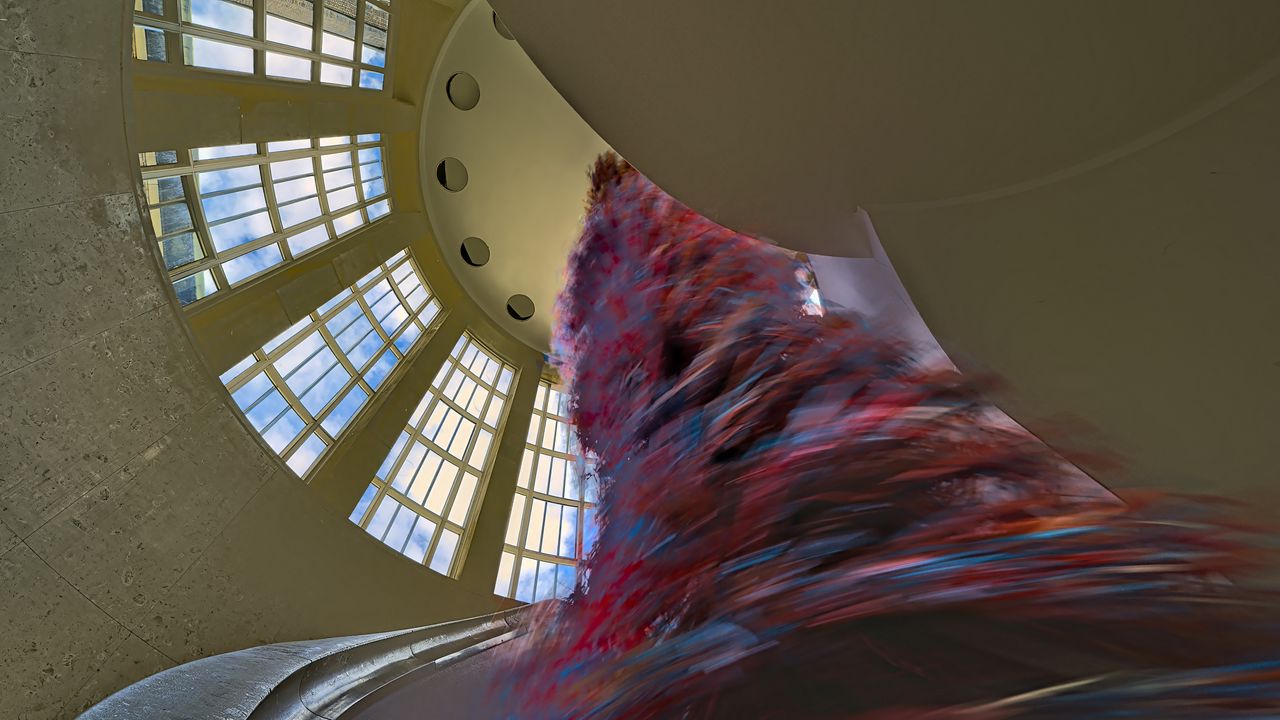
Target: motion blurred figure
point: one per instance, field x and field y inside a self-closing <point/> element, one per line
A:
<point x="800" y="521"/>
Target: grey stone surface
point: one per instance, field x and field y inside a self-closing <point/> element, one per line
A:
<point x="290" y="568"/>
<point x="8" y="539"/>
<point x="77" y="416"/>
<point x="57" y="256"/>
<point x="131" y="661"/>
<point x="54" y="642"/>
<point x="54" y="143"/>
<point x="125" y="543"/>
<point x="42" y="26"/>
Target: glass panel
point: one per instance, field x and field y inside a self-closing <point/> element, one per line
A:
<point x="444" y="551"/>
<point x="195" y="287"/>
<point x="158" y="158"/>
<point x="302" y="242"/>
<point x="150" y="44"/>
<point x="234" y="17"/>
<point x="289" y="22"/>
<point x="179" y="250"/>
<point x="420" y="540"/>
<point x="304" y="458"/>
<point x="238" y="232"/>
<point x="433" y="477"/>
<point x="505" y="565"/>
<point x="363" y="506"/>
<point x="334" y="74"/>
<point x="564" y="528"/>
<point x="288" y="66"/>
<point x="312" y="389"/>
<point x="252" y="263"/>
<point x="215" y="55"/>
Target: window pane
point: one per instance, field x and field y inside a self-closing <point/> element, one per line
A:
<point x="334" y="74"/>
<point x="345" y="410"/>
<point x="252" y="263"/>
<point x="179" y="250"/>
<point x="370" y="55"/>
<point x="299" y="212"/>
<point x="195" y="287"/>
<point x="316" y="391"/>
<point x="223" y="151"/>
<point x="290" y="190"/>
<point x="220" y="14"/>
<point x="150" y="44"/>
<point x="284" y="169"/>
<point x="237" y="232"/>
<point x="215" y="55"/>
<point x="288" y="66"/>
<point x="232" y="204"/>
<point x="420" y="540"/>
<point x="564" y="528"/>
<point x="505" y="565"/>
<point x="433" y="476"/>
<point x="295" y="31"/>
<point x="347" y="223"/>
<point x="231" y="179"/>
<point x="283" y="431"/>
<point x="158" y="158"/>
<point x="444" y="551"/>
<point x="306" y="455"/>
<point x="361" y="507"/>
<point x="284" y="145"/>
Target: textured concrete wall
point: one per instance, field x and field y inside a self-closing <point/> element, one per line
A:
<point x="141" y="523"/>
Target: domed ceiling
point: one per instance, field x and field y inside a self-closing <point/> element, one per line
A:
<point x="504" y="162"/>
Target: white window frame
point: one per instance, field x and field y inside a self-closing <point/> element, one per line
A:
<point x="424" y="317"/>
<point x="397" y="480"/>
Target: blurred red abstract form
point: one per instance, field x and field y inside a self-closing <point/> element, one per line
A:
<point x="800" y="521"/>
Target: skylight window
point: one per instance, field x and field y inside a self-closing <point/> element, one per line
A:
<point x="302" y="389"/>
<point x="423" y="498"/>
<point x="552" y="523"/>
<point x="335" y="42"/>
<point x="226" y="214"/>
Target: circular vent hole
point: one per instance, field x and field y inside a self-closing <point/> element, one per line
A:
<point x="475" y="252"/>
<point x="452" y="174"/>
<point x="502" y="28"/>
<point x="463" y="91"/>
<point x="520" y="307"/>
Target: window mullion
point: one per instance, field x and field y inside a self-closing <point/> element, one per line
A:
<point x="338" y="352"/>
<point x="273" y="210"/>
<point x="359" y="42"/>
<point x="260" y="32"/>
<point x="196" y="207"/>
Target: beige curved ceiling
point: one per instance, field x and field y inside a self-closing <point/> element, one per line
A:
<point x="782" y="118"/>
<point x="1078" y="195"/>
<point x="526" y="153"/>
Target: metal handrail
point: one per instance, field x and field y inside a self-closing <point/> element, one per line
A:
<point x="309" y="680"/>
